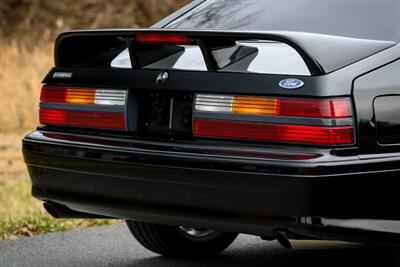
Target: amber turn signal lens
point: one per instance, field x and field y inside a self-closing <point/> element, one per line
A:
<point x="78" y="96"/>
<point x="254" y="105"/>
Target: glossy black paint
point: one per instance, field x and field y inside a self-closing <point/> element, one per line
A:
<point x="379" y="82"/>
<point x="233" y="186"/>
<point x="209" y="185"/>
<point x="338" y="83"/>
<point x="321" y="53"/>
<point x="387" y="119"/>
<point x="367" y="20"/>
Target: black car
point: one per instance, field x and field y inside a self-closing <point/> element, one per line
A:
<point x="273" y="118"/>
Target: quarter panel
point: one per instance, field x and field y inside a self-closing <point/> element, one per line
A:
<point x="380" y="82"/>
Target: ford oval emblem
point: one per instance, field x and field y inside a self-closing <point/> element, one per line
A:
<point x="291" y="84"/>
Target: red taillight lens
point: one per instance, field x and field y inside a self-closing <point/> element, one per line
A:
<point x="274" y="132"/>
<point x="161" y="39"/>
<point x="83" y="107"/>
<point x="82" y="119"/>
<point x="314" y="108"/>
<point x="53" y="94"/>
<point x="292" y="120"/>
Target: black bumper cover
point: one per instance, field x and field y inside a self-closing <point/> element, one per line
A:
<point x="198" y="188"/>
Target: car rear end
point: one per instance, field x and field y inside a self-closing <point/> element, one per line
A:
<point x="198" y="128"/>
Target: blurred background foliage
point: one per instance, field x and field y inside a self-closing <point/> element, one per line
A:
<point x="37" y="20"/>
<point x="28" y="29"/>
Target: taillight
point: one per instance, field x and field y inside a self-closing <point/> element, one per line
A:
<point x="293" y="120"/>
<point x="162" y="39"/>
<point x="83" y="107"/>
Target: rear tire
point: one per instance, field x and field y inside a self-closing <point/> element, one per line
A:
<point x="177" y="242"/>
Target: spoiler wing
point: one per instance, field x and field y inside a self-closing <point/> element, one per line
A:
<point x="321" y="53"/>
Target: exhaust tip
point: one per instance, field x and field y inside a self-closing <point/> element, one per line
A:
<point x="60" y="211"/>
<point x="51" y="210"/>
<point x="282" y="238"/>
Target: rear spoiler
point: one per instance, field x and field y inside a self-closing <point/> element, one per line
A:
<point x="321" y="53"/>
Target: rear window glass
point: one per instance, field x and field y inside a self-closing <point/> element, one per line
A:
<point x="254" y="56"/>
<point x="372" y="19"/>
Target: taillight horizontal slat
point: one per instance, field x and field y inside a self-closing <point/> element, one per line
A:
<point x="313" y="108"/>
<point x="274" y="132"/>
<point x="83" y="96"/>
<point x="82" y="119"/>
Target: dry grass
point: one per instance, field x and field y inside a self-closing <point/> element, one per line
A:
<point x="12" y="167"/>
<point x="20" y="213"/>
<point x="21" y="72"/>
<point x="14" y="180"/>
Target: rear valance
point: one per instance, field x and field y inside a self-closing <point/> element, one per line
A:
<point x="321" y="53"/>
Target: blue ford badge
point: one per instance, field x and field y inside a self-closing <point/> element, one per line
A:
<point x="291" y="84"/>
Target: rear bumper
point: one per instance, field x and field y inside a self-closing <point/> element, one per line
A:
<point x="191" y="186"/>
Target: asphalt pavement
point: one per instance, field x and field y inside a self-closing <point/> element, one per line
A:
<point x="114" y="246"/>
